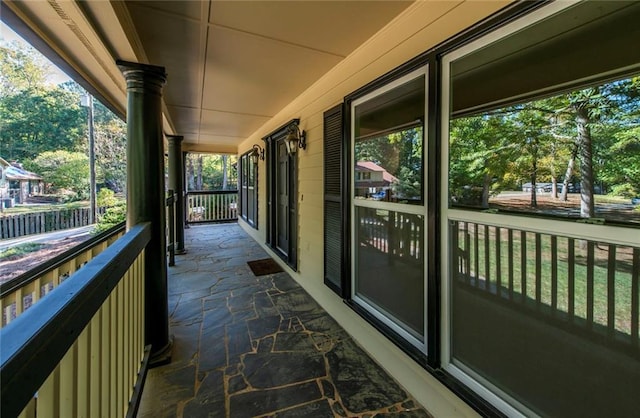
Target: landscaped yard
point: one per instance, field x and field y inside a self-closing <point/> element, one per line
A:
<point x="44" y="207"/>
<point x="530" y="273"/>
<point x="615" y="209"/>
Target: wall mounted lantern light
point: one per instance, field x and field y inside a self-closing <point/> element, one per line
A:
<point x="257" y="153"/>
<point x="295" y="139"/>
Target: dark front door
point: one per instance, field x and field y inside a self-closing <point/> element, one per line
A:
<point x="282" y="196"/>
<point x="282" y="216"/>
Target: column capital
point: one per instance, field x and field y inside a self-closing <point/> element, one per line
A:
<point x="174" y="139"/>
<point x="143" y="78"/>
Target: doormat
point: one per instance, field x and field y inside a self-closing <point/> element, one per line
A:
<point x="264" y="267"/>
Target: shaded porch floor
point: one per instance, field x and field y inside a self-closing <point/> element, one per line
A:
<point x="258" y="346"/>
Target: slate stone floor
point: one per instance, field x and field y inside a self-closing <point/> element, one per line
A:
<point x="247" y="346"/>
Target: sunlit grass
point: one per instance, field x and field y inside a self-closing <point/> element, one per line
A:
<point x="44" y="208"/>
<point x="524" y="284"/>
<point x="20" y="250"/>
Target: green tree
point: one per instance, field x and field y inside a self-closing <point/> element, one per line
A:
<point x="21" y="69"/>
<point x="110" y="134"/>
<point x="481" y="157"/>
<point x="211" y="171"/>
<point x="111" y="151"/>
<point x="34" y="116"/>
<point x="63" y="170"/>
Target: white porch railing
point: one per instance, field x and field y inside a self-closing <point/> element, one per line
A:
<point x="216" y="206"/>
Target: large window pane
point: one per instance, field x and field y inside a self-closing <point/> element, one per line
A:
<point x="388" y="151"/>
<point x="543" y="122"/>
<point x="390" y="265"/>
<point x="523" y="157"/>
<point x="574" y="153"/>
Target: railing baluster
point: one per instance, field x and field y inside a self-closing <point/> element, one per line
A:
<point x="83" y="376"/>
<point x="37" y="284"/>
<point x="4" y="315"/>
<point x="49" y="396"/>
<point x="498" y="263"/>
<point x="68" y="383"/>
<point x="126" y="366"/>
<point x="106" y="354"/>
<point x="476" y="251"/>
<point x="120" y="349"/>
<point x="113" y="353"/>
<point x="523" y="265"/>
<point x="538" y="270"/>
<point x="95" y="364"/>
<point x="454" y="256"/>
<point x="19" y="301"/>
<point x="611" y="290"/>
<point x="554" y="274"/>
<point x="571" y="280"/>
<point x="590" y="284"/>
<point x="635" y="298"/>
<point x="467" y="249"/>
<point x="510" y="245"/>
<point x="487" y="259"/>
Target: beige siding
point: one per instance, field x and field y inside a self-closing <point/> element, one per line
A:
<point x="421" y="27"/>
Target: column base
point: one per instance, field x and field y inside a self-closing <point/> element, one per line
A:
<point x="162" y="356"/>
<point x="181" y="251"/>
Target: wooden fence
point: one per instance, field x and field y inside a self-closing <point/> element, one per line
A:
<point x="14" y="226"/>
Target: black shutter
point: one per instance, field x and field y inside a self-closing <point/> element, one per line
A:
<point x="333" y="209"/>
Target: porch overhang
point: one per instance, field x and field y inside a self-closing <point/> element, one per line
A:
<point x="231" y="66"/>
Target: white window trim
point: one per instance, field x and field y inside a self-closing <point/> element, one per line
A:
<point x="420" y="344"/>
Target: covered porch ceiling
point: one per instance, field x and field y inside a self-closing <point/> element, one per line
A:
<point x="231" y="65"/>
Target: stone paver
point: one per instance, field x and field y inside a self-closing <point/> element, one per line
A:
<point x="247" y="346"/>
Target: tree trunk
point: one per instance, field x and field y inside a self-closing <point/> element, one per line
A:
<point x="190" y="173"/>
<point x="587" y="209"/>
<point x="534" y="174"/>
<point x="534" y="193"/>
<point x="485" y="191"/>
<point x="569" y="172"/>
<point x="554" y="176"/>
<point x="199" y="174"/>
<point x="224" y="172"/>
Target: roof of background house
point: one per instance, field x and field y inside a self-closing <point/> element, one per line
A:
<point x="371" y="166"/>
<point x="13" y="172"/>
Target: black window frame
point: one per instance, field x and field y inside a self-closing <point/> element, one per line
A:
<point x="247" y="163"/>
<point x="432" y="57"/>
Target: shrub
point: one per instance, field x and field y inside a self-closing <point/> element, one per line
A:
<point x="64" y="170"/>
<point x="20" y="250"/>
<point x="107" y="198"/>
<point x="113" y="216"/>
<point x="624" y="190"/>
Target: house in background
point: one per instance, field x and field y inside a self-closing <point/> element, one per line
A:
<point x="16" y="183"/>
<point x="372" y="179"/>
<point x="472" y="311"/>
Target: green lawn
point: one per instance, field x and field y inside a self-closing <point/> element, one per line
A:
<point x="19" y="250"/>
<point x="621" y="273"/>
<point x="45" y="208"/>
